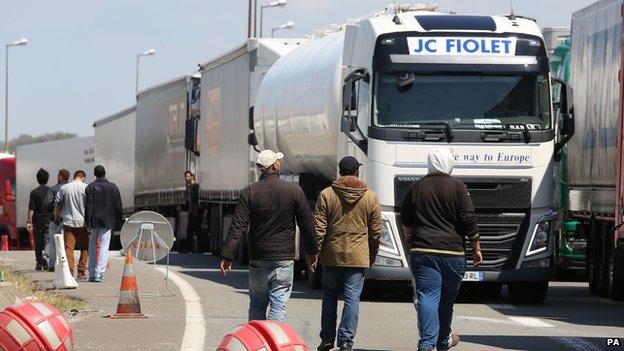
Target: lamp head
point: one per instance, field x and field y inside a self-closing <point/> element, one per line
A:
<point x="20" y="42"/>
<point x="276" y="3"/>
<point x="287" y="25"/>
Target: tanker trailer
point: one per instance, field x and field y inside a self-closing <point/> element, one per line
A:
<point x="390" y="87"/>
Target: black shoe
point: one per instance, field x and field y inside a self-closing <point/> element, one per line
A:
<point x="325" y="346"/>
<point x="345" y="346"/>
<point x="38" y="267"/>
<point x="50" y="269"/>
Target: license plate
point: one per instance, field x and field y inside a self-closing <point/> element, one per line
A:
<point x="473" y="276"/>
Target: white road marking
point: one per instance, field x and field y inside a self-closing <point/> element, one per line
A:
<point x="482" y="319"/>
<point x="502" y="306"/>
<point x="531" y="322"/>
<point x="195" y="324"/>
<point x="575" y="343"/>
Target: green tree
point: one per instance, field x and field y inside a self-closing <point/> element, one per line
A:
<point x="26" y="139"/>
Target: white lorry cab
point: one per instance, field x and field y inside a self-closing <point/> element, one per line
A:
<point x="389" y="87"/>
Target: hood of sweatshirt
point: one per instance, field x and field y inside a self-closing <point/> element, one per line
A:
<point x="349" y="189"/>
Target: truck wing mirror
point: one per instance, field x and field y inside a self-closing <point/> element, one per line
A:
<point x="349" y="124"/>
<point x="566" y="109"/>
<point x="252" y="140"/>
<point x="360" y="73"/>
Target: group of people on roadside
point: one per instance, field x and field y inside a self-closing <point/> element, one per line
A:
<point x="85" y="214"/>
<point x="343" y="235"/>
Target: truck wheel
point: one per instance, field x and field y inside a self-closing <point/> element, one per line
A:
<point x="528" y="292"/>
<point x="372" y="289"/>
<point x="592" y="260"/>
<point x="490" y="290"/>
<point x="315" y="278"/>
<point x="617" y="288"/>
<point x="606" y="277"/>
<point x="300" y="270"/>
<point x="216" y="229"/>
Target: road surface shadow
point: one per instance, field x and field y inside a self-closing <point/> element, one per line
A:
<point x="530" y="343"/>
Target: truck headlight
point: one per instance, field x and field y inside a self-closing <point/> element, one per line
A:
<point x="539" y="240"/>
<point x="387" y="242"/>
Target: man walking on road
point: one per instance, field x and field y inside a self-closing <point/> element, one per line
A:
<point x="39" y="216"/>
<point x="193" y="228"/>
<point x="269" y="208"/>
<point x="348" y="227"/>
<point x="61" y="179"/>
<point x="437" y="216"/>
<point x="70" y="211"/>
<point x="102" y="214"/>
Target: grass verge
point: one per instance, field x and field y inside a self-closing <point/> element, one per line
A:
<point x="31" y="291"/>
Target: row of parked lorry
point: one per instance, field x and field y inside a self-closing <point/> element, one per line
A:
<point x="387" y="88"/>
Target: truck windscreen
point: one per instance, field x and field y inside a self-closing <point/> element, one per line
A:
<point x="463" y="101"/>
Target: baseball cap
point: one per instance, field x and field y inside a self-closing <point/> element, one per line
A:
<point x="268" y="157"/>
<point x="349" y="164"/>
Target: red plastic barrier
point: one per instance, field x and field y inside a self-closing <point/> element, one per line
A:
<point x="263" y="335"/>
<point x="4" y="243"/>
<point x="33" y="326"/>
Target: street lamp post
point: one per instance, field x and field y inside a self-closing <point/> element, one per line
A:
<point x="276" y="3"/>
<point x="20" y="42"/>
<point x="150" y="52"/>
<point x="287" y="25"/>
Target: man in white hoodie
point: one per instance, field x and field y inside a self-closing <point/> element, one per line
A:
<point x="438" y="216"/>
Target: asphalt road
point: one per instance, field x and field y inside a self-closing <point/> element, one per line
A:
<point x="207" y="305"/>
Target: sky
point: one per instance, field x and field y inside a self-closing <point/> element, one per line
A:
<point x="79" y="64"/>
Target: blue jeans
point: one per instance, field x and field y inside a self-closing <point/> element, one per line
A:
<point x="97" y="264"/>
<point x="336" y="280"/>
<point x="437" y="280"/>
<point x="270" y="285"/>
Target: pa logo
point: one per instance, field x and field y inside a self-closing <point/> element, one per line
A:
<point x="614" y="342"/>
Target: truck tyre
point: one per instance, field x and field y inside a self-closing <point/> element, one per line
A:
<point x="592" y="260"/>
<point x="491" y="290"/>
<point x="216" y="229"/>
<point x="617" y="288"/>
<point x="606" y="272"/>
<point x="299" y="270"/>
<point x="528" y="292"/>
<point x="315" y="278"/>
<point x="372" y="289"/>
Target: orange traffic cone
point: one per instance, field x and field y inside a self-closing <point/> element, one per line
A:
<point x="129" y="305"/>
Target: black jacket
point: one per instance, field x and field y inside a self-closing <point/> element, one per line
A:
<point x="269" y="208"/>
<point x="440" y="211"/>
<point x="192" y="199"/>
<point x="103" y="207"/>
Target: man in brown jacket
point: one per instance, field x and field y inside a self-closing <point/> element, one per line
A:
<point x="348" y="227"/>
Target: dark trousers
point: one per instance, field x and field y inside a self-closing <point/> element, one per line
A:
<point x="193" y="234"/>
<point x="41" y="239"/>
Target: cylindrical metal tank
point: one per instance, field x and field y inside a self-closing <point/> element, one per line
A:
<point x="297" y="109"/>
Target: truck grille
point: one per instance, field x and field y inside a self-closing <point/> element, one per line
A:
<point x="499" y="233"/>
<point x="494" y="194"/>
